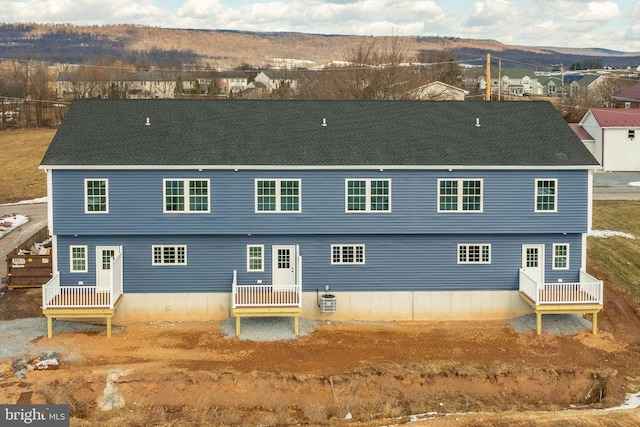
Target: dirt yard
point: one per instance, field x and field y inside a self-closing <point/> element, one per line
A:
<point x="484" y="373"/>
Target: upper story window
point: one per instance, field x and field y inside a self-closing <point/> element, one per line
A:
<point x="631" y="134"/>
<point x="368" y="195"/>
<point x="169" y="255"/>
<point x="459" y="195"/>
<point x="278" y="195"/>
<point x="186" y="195"/>
<point x="347" y="254"/>
<point x="560" y="256"/>
<point x="78" y="259"/>
<point x="474" y="254"/>
<point x="546" y="193"/>
<point x="255" y="258"/>
<point x="96" y="192"/>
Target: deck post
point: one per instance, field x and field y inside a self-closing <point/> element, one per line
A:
<point x="295" y="325"/>
<point x="108" y="326"/>
<point x="594" y="324"/>
<point x="538" y="322"/>
<point x="49" y="327"/>
<point x="237" y="326"/>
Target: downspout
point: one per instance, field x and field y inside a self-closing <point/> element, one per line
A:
<point x="602" y="150"/>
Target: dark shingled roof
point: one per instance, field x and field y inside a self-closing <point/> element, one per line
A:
<point x="290" y="133"/>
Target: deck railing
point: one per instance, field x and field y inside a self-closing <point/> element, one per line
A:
<point x="56" y="295"/>
<point x="263" y="295"/>
<point x="587" y="291"/>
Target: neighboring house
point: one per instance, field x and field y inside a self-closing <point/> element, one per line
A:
<point x="628" y="98"/>
<point x="581" y="86"/>
<point x="515" y="81"/>
<point x="122" y="84"/>
<point x="616" y="132"/>
<point x="273" y="79"/>
<point x="402" y="210"/>
<point x="232" y="82"/>
<point x="438" y="91"/>
<point x="551" y="85"/>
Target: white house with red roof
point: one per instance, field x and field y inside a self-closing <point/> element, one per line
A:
<point x="615" y="137"/>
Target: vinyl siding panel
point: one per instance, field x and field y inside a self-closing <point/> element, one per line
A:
<point x="392" y="262"/>
<point x="136" y="204"/>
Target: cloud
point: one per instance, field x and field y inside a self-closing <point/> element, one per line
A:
<point x="569" y="23"/>
<point x="596" y="12"/>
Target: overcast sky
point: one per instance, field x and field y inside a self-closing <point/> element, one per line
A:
<point x="562" y="23"/>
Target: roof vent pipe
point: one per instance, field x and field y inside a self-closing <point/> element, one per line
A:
<point x="148" y="123"/>
<point x="324" y="122"/>
<point x="478" y="122"/>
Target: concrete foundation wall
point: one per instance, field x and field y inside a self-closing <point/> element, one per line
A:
<point x="378" y="306"/>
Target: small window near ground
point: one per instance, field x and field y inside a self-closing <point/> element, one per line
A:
<point x="255" y="258"/>
<point x="78" y="259"/>
<point x="169" y="255"/>
<point x="347" y="254"/>
<point x="560" y="256"/>
<point x="474" y="254"/>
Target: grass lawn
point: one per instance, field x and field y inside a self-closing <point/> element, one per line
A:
<point x="22" y="150"/>
<point x="616" y="259"/>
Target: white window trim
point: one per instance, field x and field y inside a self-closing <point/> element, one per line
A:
<point x="106" y="195"/>
<point x="86" y="259"/>
<point x="367" y="195"/>
<point x="535" y="197"/>
<point x="467" y="245"/>
<point x="354" y="246"/>
<point x="460" y="195"/>
<point x="253" y="270"/>
<point x="154" y="263"/>
<point x="278" y="182"/>
<point x="553" y="265"/>
<point x="186" y="196"/>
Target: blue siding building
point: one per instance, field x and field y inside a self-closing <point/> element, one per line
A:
<point x="403" y="210"/>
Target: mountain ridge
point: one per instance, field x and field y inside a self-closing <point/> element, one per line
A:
<point x="223" y="48"/>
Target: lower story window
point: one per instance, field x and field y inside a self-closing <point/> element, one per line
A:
<point x="474" y="254"/>
<point x="78" y="261"/>
<point x="560" y="256"/>
<point x="255" y="258"/>
<point x="169" y="255"/>
<point x="347" y="254"/>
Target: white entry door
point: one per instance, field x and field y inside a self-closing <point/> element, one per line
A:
<point x="284" y="259"/>
<point x="533" y="261"/>
<point x="104" y="265"/>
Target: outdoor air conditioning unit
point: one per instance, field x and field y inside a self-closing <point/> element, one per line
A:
<point x="327" y="302"/>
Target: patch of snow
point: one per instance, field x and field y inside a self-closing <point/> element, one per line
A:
<point x="634" y="184"/>
<point x="631" y="401"/>
<point x="27" y="202"/>
<point x="11" y="222"/>
<point x="609" y="233"/>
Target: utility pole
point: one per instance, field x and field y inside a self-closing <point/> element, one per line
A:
<point x="487" y="95"/>
<point x="499" y="79"/>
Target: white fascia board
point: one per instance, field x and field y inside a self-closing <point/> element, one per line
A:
<point x="318" y="167"/>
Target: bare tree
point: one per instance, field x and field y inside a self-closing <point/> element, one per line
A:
<point x="376" y="68"/>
